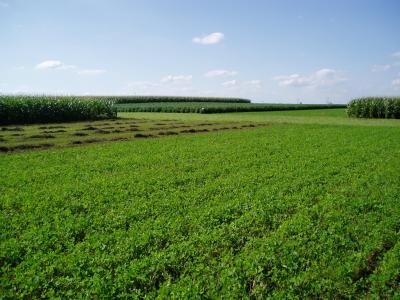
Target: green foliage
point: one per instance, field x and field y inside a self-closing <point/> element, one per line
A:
<point x="375" y="107"/>
<point x="284" y="212"/>
<point x="150" y="99"/>
<point x="45" y="109"/>
<point x="215" y="107"/>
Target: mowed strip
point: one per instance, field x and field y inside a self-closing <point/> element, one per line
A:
<point x="43" y="136"/>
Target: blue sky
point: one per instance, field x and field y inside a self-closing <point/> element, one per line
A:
<point x="269" y="51"/>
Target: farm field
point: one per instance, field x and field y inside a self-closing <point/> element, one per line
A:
<point x="216" y="107"/>
<point x="306" y="207"/>
<point x="336" y="116"/>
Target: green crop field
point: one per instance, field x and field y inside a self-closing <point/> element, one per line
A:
<point x="216" y="107"/>
<point x="303" y="205"/>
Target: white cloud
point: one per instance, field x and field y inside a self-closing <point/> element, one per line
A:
<point x="230" y="83"/>
<point x="213" y="38"/>
<point x="54" y="64"/>
<point x="378" y="68"/>
<point x="92" y="72"/>
<point x="256" y="83"/>
<point x="396" y="54"/>
<point x="177" y="79"/>
<point x="396" y="83"/>
<point x="220" y="73"/>
<point x="4" y="4"/>
<point x="323" y="77"/>
<point x="242" y="85"/>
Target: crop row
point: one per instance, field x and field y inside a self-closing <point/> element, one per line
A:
<point x="32" y="109"/>
<point x="213" y="107"/>
<point x="375" y="107"/>
<point x="150" y="99"/>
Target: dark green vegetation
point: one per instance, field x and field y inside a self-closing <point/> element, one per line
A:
<point x="180" y="99"/>
<point x="28" y="137"/>
<point x="304" y="211"/>
<point x="215" y="107"/>
<point x="375" y="107"/>
<point x="45" y="109"/>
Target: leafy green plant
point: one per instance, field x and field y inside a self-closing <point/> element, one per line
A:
<point x="298" y="211"/>
<point x="44" y="109"/>
<point x="374" y="107"/>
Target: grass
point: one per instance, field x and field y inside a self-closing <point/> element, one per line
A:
<point x="322" y="116"/>
<point x="294" y="210"/>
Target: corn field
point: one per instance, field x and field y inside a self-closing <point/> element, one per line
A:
<point x="375" y="107"/>
<point x="216" y="107"/>
<point x="44" y="109"/>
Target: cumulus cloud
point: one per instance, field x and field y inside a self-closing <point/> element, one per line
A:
<point x="54" y="64"/>
<point x="91" y="72"/>
<point x="396" y="83"/>
<point x="396" y="54"/>
<point x="242" y="85"/>
<point x="323" y="77"/>
<point x="212" y="38"/>
<point x="230" y="83"/>
<point x="253" y="83"/>
<point x="220" y="73"/>
<point x="177" y="79"/>
<point x="378" y="68"/>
